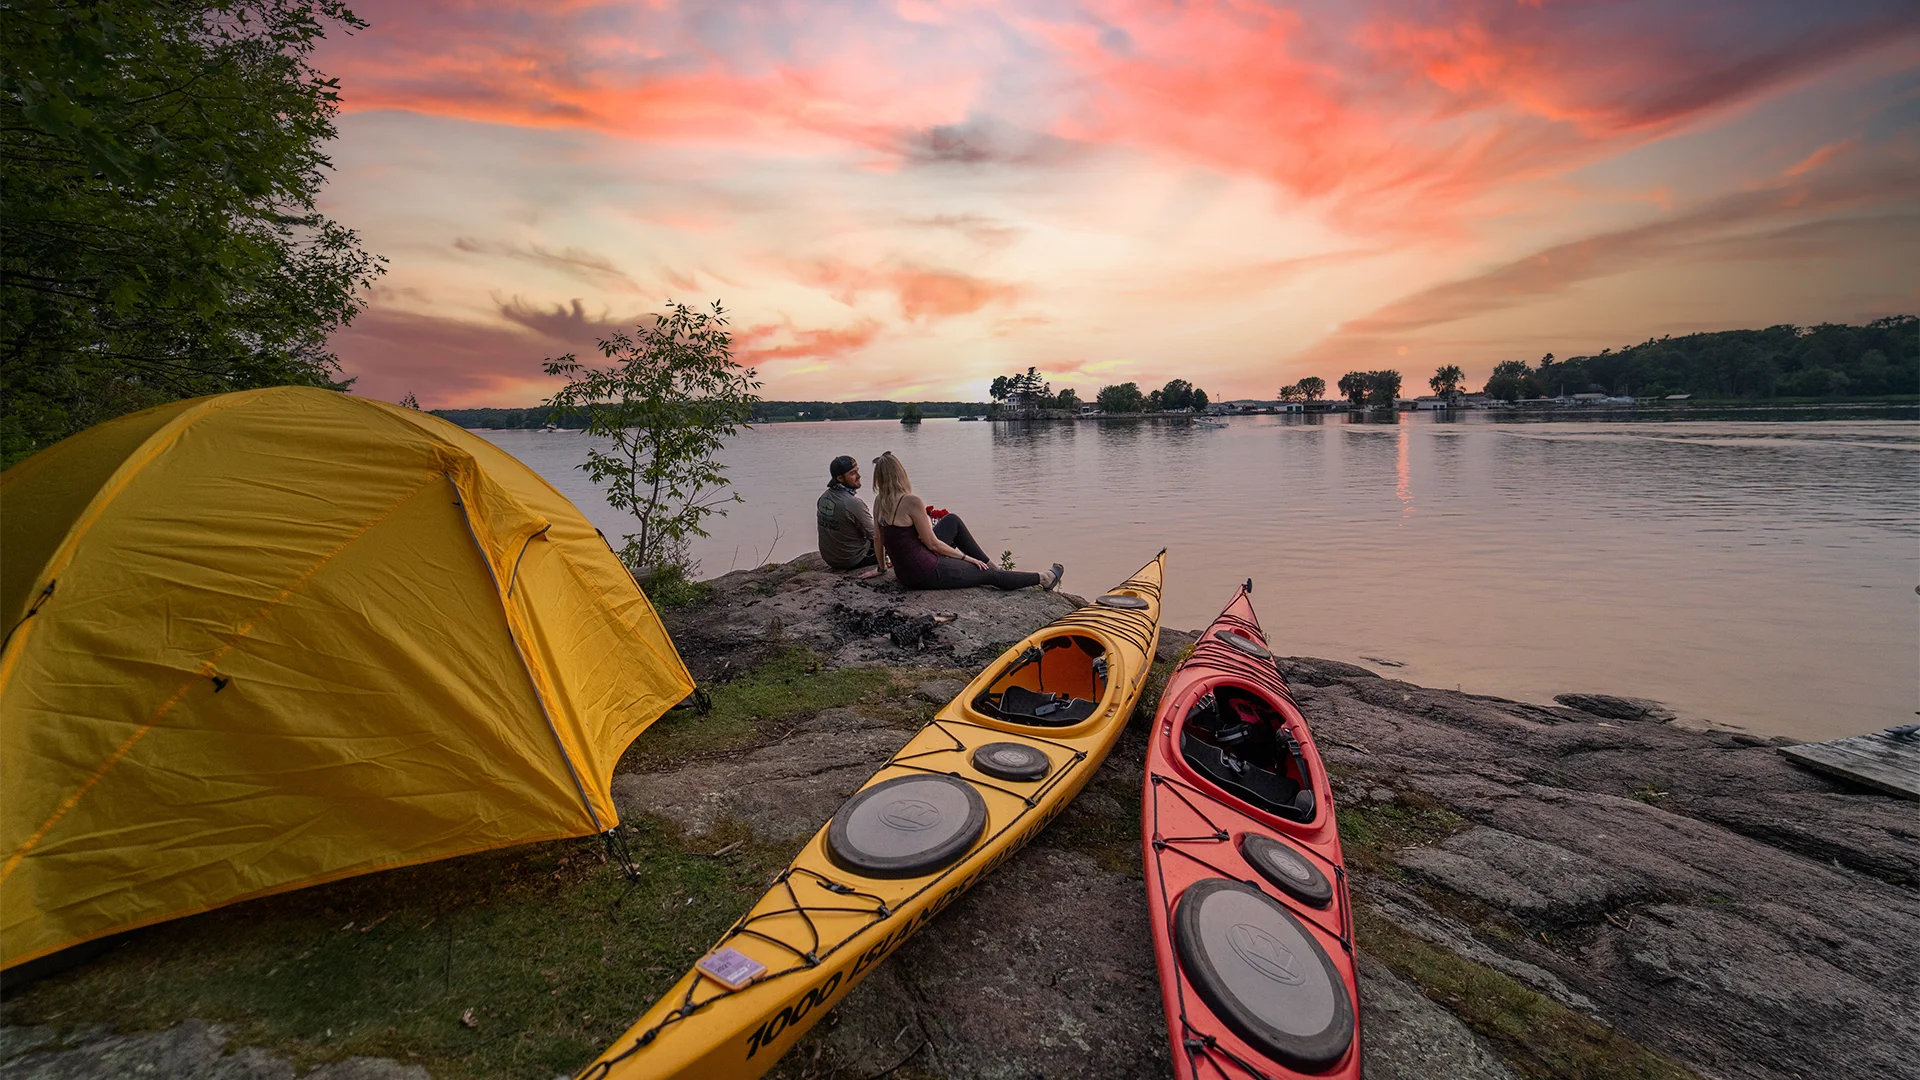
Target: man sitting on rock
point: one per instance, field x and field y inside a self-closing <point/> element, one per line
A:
<point x="846" y="526"/>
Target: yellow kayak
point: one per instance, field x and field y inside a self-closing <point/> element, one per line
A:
<point x="986" y="774"/>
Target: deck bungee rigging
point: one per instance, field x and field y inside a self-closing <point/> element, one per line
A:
<point x="1252" y="921"/>
<point x="987" y="773"/>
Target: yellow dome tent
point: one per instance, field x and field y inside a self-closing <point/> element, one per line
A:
<point x="278" y="637"/>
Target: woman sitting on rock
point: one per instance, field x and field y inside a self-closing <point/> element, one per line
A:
<point x="926" y="555"/>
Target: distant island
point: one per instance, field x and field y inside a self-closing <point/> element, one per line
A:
<point x="764" y="412"/>
<point x="1780" y="364"/>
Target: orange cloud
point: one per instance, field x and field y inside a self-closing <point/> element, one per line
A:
<point x="1401" y="120"/>
<point x="922" y="293"/>
<point x="1395" y="115"/>
<point x="752" y="345"/>
<point x="1820" y="157"/>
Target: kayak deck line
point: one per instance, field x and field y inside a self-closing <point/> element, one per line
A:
<point x="939" y="814"/>
<point x="1253" y="922"/>
<point x="812" y="957"/>
<point x="960" y="747"/>
<point x="1200" y="1042"/>
<point x="1343" y="932"/>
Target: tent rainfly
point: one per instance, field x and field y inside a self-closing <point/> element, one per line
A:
<point x="277" y="637"/>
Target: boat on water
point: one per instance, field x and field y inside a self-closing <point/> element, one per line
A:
<point x="1201" y="421"/>
<point x="962" y="796"/>
<point x="1246" y="886"/>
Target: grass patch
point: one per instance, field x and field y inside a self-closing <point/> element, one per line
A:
<point x="548" y="945"/>
<point x="1369" y="832"/>
<point x="792" y="684"/>
<point x="669" y="586"/>
<point x="1536" y="1035"/>
<point x="1649" y="794"/>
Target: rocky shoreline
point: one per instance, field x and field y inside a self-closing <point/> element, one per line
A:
<point x="1691" y="891"/>
<point x="1583" y="889"/>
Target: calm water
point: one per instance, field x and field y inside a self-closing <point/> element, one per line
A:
<point x="1759" y="575"/>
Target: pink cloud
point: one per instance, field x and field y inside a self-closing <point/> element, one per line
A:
<point x="1395" y="114"/>
<point x="923" y="294"/>
<point x="444" y="362"/>
<point x="756" y="344"/>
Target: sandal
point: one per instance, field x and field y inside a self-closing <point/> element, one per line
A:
<point x="1058" y="573"/>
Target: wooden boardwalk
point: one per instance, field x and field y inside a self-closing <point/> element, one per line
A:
<point x="1887" y="762"/>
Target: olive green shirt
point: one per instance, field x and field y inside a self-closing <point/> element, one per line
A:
<point x="846" y="528"/>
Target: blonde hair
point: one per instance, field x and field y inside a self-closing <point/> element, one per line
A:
<point x="890" y="485"/>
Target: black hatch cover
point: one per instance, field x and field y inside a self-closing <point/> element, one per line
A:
<point x="1263" y="974"/>
<point x="1012" y="761"/>
<point x="906" y="827"/>
<point x="1245" y="644"/>
<point x="1287" y="868"/>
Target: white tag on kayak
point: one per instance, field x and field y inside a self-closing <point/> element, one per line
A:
<point x="731" y="968"/>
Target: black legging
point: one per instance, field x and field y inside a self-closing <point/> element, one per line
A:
<point x="955" y="573"/>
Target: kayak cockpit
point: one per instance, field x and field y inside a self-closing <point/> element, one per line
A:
<point x="1055" y="683"/>
<point x="1234" y="738"/>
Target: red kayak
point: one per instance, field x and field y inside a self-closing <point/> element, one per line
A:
<point x="1252" y="926"/>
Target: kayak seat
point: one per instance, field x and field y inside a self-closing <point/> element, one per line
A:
<point x="1236" y="740"/>
<point x="1274" y="792"/>
<point x="1058" y="682"/>
<point x="1034" y="707"/>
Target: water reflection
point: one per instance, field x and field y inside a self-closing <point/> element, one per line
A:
<point x="1755" y="573"/>
<point x="1402" y="471"/>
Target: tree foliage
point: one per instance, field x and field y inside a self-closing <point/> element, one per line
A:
<point x="1511" y="380"/>
<point x="1446" y="383"/>
<point x="1313" y="387"/>
<point x="1829" y="360"/>
<point x="1177" y="394"/>
<point x="1025" y="393"/>
<point x="158" y="231"/>
<point x="1123" y="398"/>
<point x="1383" y="387"/>
<point x="1354" y="385"/>
<point x="666" y="405"/>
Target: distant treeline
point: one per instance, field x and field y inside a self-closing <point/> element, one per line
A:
<point x="1829" y="360"/>
<point x="861" y="410"/>
<point x="763" y="412"/>
<point x="501" y="418"/>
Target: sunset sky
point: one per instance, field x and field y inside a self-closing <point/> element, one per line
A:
<point x="902" y="199"/>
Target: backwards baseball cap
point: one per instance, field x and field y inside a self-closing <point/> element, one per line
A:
<point x="841" y="464"/>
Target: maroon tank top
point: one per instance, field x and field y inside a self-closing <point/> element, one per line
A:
<point x="914" y="563"/>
